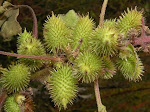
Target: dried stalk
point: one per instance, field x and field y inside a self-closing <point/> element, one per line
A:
<point x="97" y="94"/>
<point x="96" y="85"/>
<point x="35" y="26"/>
<point x="102" y="14"/>
<point x="31" y="56"/>
<point x="3" y="97"/>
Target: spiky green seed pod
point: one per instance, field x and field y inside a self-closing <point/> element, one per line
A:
<point x="110" y="23"/>
<point x="128" y="20"/>
<point x="31" y="47"/>
<point x="104" y="41"/>
<point x="109" y="68"/>
<point x="83" y="29"/>
<point x="70" y="19"/>
<point x="23" y="36"/>
<point x="56" y="34"/>
<point x="130" y="66"/>
<point x="16" y="78"/>
<point x="62" y="86"/>
<point x="11" y="105"/>
<point x="89" y="67"/>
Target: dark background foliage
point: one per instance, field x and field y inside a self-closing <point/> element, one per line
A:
<point x="118" y="94"/>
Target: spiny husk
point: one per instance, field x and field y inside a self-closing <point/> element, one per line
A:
<point x="62" y="86"/>
<point x="11" y="105"/>
<point x="83" y="29"/>
<point x="104" y="41"/>
<point x="109" y="68"/>
<point x="128" y="20"/>
<point x="16" y="78"/>
<point x="31" y="47"/>
<point x="56" y="34"/>
<point x="88" y="66"/>
<point x="110" y="23"/>
<point x="70" y="19"/>
<point x="131" y="66"/>
<point x="23" y="36"/>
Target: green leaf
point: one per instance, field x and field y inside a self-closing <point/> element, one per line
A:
<point x="9" y="26"/>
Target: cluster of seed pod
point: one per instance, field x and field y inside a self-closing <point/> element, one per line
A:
<point x="101" y="54"/>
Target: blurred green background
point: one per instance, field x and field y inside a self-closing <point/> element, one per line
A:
<point x="118" y="94"/>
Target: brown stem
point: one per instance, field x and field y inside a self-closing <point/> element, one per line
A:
<point x="143" y="27"/>
<point x="3" y="97"/>
<point x="143" y="39"/>
<point x="140" y="41"/>
<point x="1" y="1"/>
<point x="97" y="94"/>
<point x="102" y="14"/>
<point x="96" y="85"/>
<point x="35" y="27"/>
<point x="31" y="56"/>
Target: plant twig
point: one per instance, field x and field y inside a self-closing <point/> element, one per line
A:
<point x="3" y="97"/>
<point x="31" y="56"/>
<point x="102" y="14"/>
<point x="97" y="94"/>
<point x="143" y="40"/>
<point x="35" y="26"/>
<point x="96" y="85"/>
